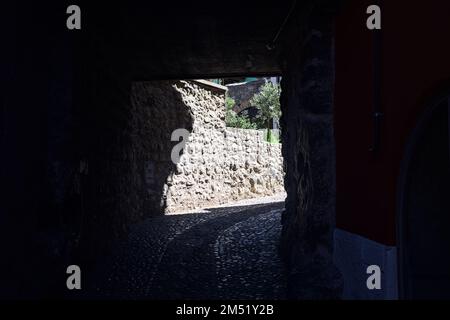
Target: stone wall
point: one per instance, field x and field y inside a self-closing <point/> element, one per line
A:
<point x="309" y="153"/>
<point x="217" y="165"/>
<point x="242" y="93"/>
<point x="236" y="164"/>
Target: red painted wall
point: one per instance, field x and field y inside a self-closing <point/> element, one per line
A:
<point x="415" y="66"/>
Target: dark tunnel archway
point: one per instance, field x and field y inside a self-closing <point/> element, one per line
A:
<point x="86" y="158"/>
<point x="424" y="240"/>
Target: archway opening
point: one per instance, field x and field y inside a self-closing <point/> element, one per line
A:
<point x="205" y="187"/>
<point x="425" y="213"/>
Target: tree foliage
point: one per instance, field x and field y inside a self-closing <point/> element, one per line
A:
<point x="268" y="102"/>
<point x="234" y="120"/>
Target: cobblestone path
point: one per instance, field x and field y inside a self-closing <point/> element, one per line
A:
<point x="221" y="253"/>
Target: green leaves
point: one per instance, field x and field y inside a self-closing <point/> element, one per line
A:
<point x="229" y="103"/>
<point x="234" y="120"/>
<point x="268" y="101"/>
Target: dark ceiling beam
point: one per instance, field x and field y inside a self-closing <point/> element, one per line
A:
<point x="188" y="41"/>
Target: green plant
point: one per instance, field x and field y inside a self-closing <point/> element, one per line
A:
<point x="268" y="102"/>
<point x="272" y="138"/>
<point x="229" y="103"/>
<point x="234" y="120"/>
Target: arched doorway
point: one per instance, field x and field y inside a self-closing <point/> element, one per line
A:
<point x="424" y="208"/>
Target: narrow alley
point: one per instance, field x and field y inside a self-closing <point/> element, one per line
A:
<point x="226" y="252"/>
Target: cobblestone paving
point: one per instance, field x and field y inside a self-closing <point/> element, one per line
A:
<point x="228" y="252"/>
<point x="249" y="250"/>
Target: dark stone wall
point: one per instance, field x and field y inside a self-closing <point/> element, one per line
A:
<point x="124" y="133"/>
<point x="309" y="153"/>
<point x="39" y="148"/>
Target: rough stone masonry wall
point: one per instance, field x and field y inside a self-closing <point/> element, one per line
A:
<point x="218" y="164"/>
<point x="237" y="164"/>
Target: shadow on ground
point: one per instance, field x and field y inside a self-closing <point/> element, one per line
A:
<point x="224" y="253"/>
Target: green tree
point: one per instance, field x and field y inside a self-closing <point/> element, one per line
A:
<point x="268" y="102"/>
<point x="234" y="120"/>
<point x="229" y="102"/>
